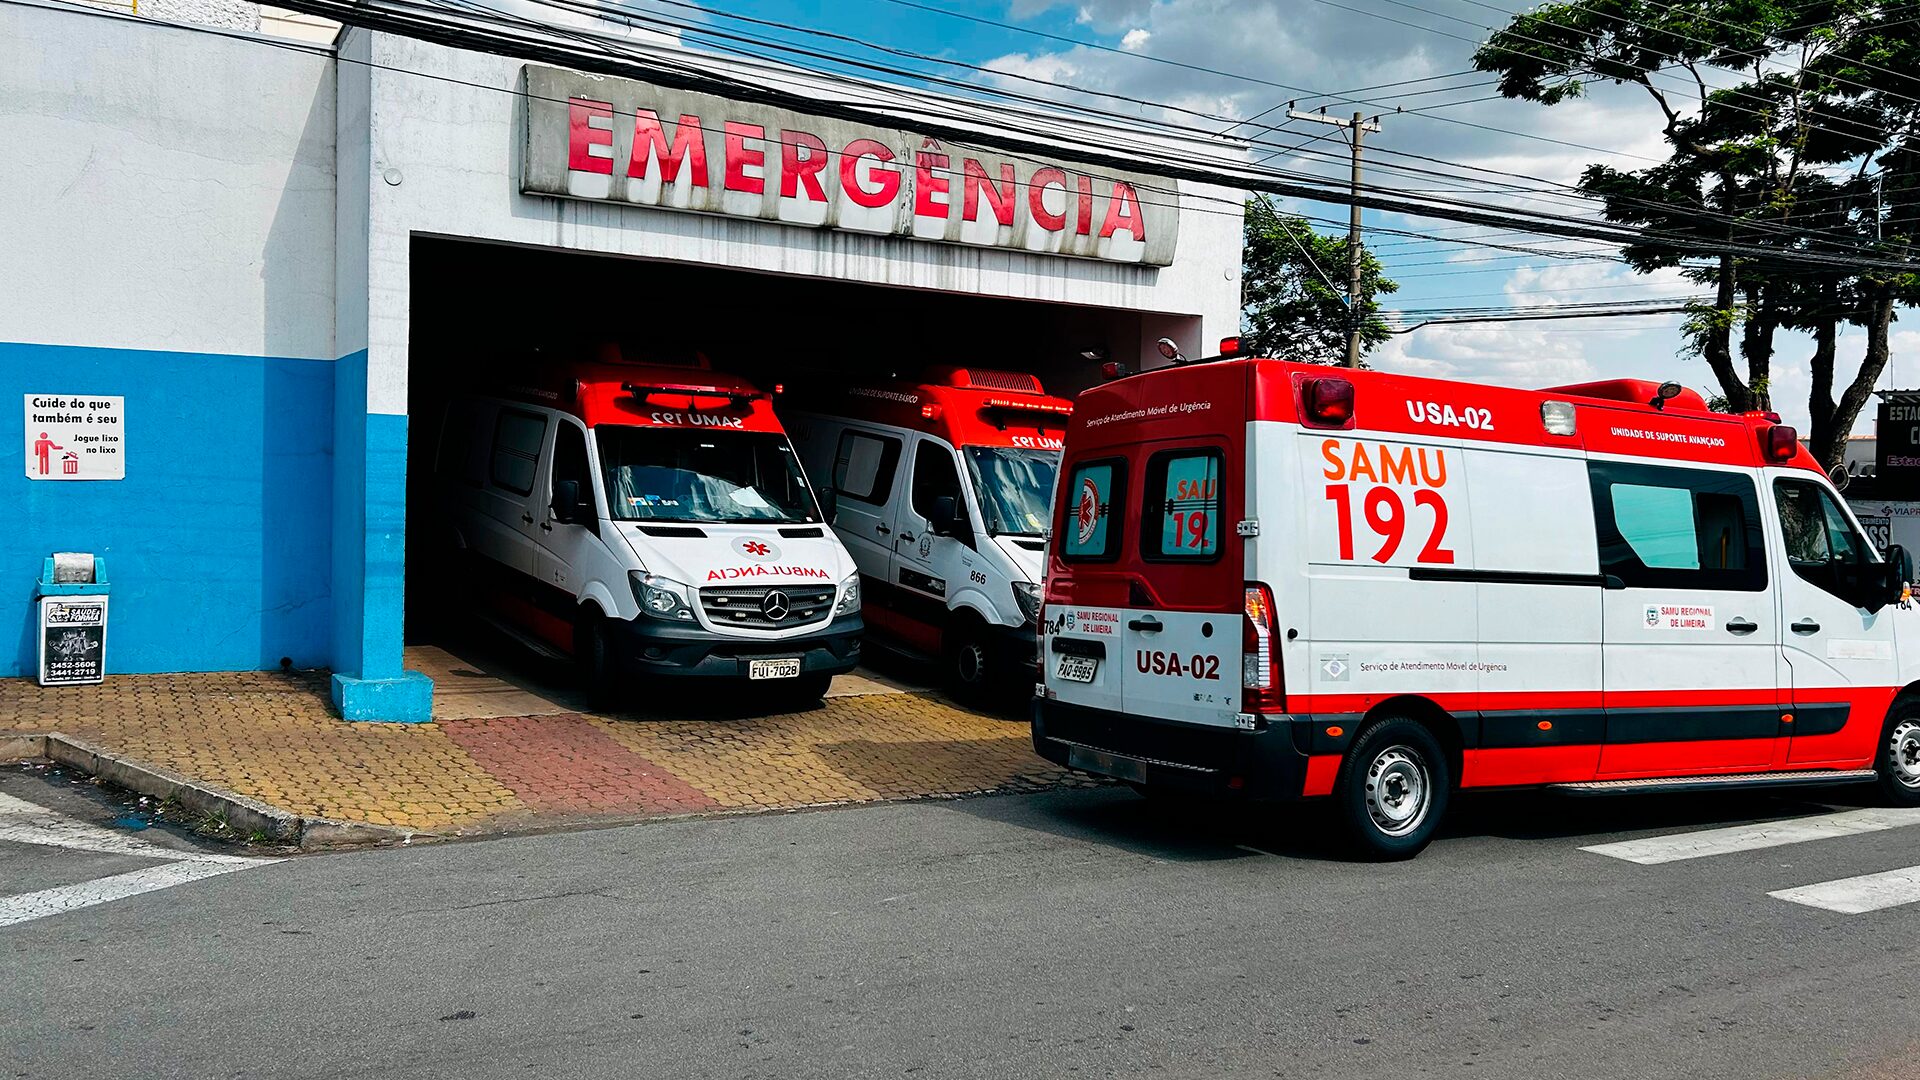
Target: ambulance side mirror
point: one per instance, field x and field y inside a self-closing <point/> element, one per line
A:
<point x="946" y="519"/>
<point x="1899" y="572"/>
<point x="567" y="506"/>
<point x="829" y="500"/>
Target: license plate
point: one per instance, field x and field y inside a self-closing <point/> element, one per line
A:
<point x="1087" y="759"/>
<point x="774" y="669"/>
<point x="1077" y="668"/>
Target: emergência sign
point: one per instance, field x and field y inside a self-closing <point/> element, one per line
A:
<point x="628" y="142"/>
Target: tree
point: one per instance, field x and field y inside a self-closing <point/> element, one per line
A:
<point x="1293" y="300"/>
<point x="1780" y="160"/>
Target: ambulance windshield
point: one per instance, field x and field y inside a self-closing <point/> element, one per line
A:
<point x="1014" y="486"/>
<point x="669" y="474"/>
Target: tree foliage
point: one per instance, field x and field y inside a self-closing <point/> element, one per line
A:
<point x="1293" y="290"/>
<point x="1788" y="125"/>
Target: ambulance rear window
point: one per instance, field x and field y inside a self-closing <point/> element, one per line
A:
<point x="1089" y="531"/>
<point x="1183" y="496"/>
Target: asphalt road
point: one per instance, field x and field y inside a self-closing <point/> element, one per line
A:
<point x="1077" y="933"/>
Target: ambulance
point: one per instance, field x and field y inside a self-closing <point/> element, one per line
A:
<point x="651" y="522"/>
<point x="943" y="485"/>
<point x="1290" y="581"/>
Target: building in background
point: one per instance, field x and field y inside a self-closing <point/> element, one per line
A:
<point x="281" y="259"/>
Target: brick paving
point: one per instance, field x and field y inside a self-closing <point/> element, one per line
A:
<point x="504" y="753"/>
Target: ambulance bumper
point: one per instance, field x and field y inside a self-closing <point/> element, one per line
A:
<point x="652" y="648"/>
<point x="1263" y="764"/>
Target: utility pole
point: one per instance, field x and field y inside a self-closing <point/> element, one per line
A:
<point x="1358" y="126"/>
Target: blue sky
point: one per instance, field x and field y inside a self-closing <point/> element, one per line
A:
<point x="1329" y="46"/>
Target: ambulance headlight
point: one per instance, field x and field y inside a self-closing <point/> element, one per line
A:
<point x="849" y="597"/>
<point x="1028" y="595"/>
<point x="662" y="598"/>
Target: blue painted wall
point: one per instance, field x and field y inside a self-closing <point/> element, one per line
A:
<point x="218" y="542"/>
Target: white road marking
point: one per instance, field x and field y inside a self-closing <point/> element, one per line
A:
<point x="39" y="905"/>
<point x="1858" y="895"/>
<point x="22" y="822"/>
<point x="1698" y="845"/>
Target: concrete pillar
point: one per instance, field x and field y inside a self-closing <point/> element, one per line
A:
<point x="369" y="445"/>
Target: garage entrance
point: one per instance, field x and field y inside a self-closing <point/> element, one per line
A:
<point x="483" y="311"/>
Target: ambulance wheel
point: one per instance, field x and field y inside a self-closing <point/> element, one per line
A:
<point x="1392" y="789"/>
<point x="1899" y="760"/>
<point x="969" y="663"/>
<point x="803" y="692"/>
<point x="593" y="660"/>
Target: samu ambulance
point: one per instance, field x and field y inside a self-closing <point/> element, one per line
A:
<point x="651" y="522"/>
<point x="943" y="485"/>
<point x="1286" y="580"/>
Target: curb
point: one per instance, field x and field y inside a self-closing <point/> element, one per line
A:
<point x="249" y="817"/>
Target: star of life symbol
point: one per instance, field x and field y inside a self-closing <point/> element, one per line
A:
<point x="755" y="549"/>
<point x="1086" y="511"/>
<point x="1335" y="668"/>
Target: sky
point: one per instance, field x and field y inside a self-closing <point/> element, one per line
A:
<point x="1149" y="50"/>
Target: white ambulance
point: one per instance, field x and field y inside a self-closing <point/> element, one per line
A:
<point x="943" y="485"/>
<point x="1285" y="580"/>
<point x="651" y="522"/>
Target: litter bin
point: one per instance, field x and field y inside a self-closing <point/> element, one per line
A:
<point x="73" y="619"/>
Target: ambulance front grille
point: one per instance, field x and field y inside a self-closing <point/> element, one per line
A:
<point x="745" y="605"/>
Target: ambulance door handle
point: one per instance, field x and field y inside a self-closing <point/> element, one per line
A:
<point x="1148" y="625"/>
<point x="526" y="519"/>
<point x="882" y="530"/>
<point x="906" y="538"/>
<point x="1738" y="625"/>
<point x="1806" y="626"/>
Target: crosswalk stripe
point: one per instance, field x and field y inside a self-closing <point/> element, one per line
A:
<point x="39" y="905"/>
<point x="22" y="822"/>
<point x="1859" y="895"/>
<point x="1676" y="847"/>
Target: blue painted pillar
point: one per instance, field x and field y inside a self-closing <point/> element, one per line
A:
<point x="370" y="681"/>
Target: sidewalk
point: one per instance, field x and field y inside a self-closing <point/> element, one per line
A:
<point x="506" y="755"/>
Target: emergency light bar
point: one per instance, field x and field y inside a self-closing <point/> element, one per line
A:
<point x="1040" y="411"/>
<point x="735" y="398"/>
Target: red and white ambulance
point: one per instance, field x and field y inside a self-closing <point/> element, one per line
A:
<point x="650" y="521"/>
<point x="943" y="485"/>
<point x="1286" y="580"/>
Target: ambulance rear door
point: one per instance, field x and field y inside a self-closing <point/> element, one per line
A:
<point x="1180" y="632"/>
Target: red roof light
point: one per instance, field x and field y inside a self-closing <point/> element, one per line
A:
<point x="1327" y="401"/>
<point x="1779" y="443"/>
<point x="1230" y="346"/>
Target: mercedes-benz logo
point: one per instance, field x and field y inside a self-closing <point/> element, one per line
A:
<point x="775" y="605"/>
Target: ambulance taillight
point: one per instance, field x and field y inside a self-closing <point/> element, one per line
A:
<point x="1779" y="442"/>
<point x="1327" y="402"/>
<point x="1260" y="683"/>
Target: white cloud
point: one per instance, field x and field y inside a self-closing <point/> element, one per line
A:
<point x="1136" y="39"/>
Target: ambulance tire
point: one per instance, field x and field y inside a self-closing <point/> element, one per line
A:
<point x="969" y="662"/>
<point x="1898" y="762"/>
<point x="593" y="659"/>
<point x="1391" y="791"/>
<point x="803" y="692"/>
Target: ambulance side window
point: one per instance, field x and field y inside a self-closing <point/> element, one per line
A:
<point x="1822" y="545"/>
<point x="934" y="477"/>
<point x="863" y="467"/>
<point x="1181" y="494"/>
<point x="1090" y="528"/>
<point x="516" y="449"/>
<point x="570" y="462"/>
<point x="1677" y="528"/>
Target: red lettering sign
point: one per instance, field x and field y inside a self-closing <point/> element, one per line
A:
<point x="1036" y="198"/>
<point x="797" y="168"/>
<point x="999" y="197"/>
<point x="927" y="184"/>
<point x="886" y="181"/>
<point x="582" y="136"/>
<point x="1085" y="225"/>
<point x="740" y="158"/>
<point x="1118" y="217"/>
<point x="688" y="148"/>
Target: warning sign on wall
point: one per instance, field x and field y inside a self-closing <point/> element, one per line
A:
<point x="76" y="438"/>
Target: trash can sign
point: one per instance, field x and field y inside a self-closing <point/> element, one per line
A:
<point x="73" y="437"/>
<point x="73" y="640"/>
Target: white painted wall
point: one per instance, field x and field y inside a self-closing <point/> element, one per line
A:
<point x="445" y="161"/>
<point x="163" y="188"/>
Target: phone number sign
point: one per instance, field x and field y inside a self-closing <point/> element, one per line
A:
<point x="76" y="437"/>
